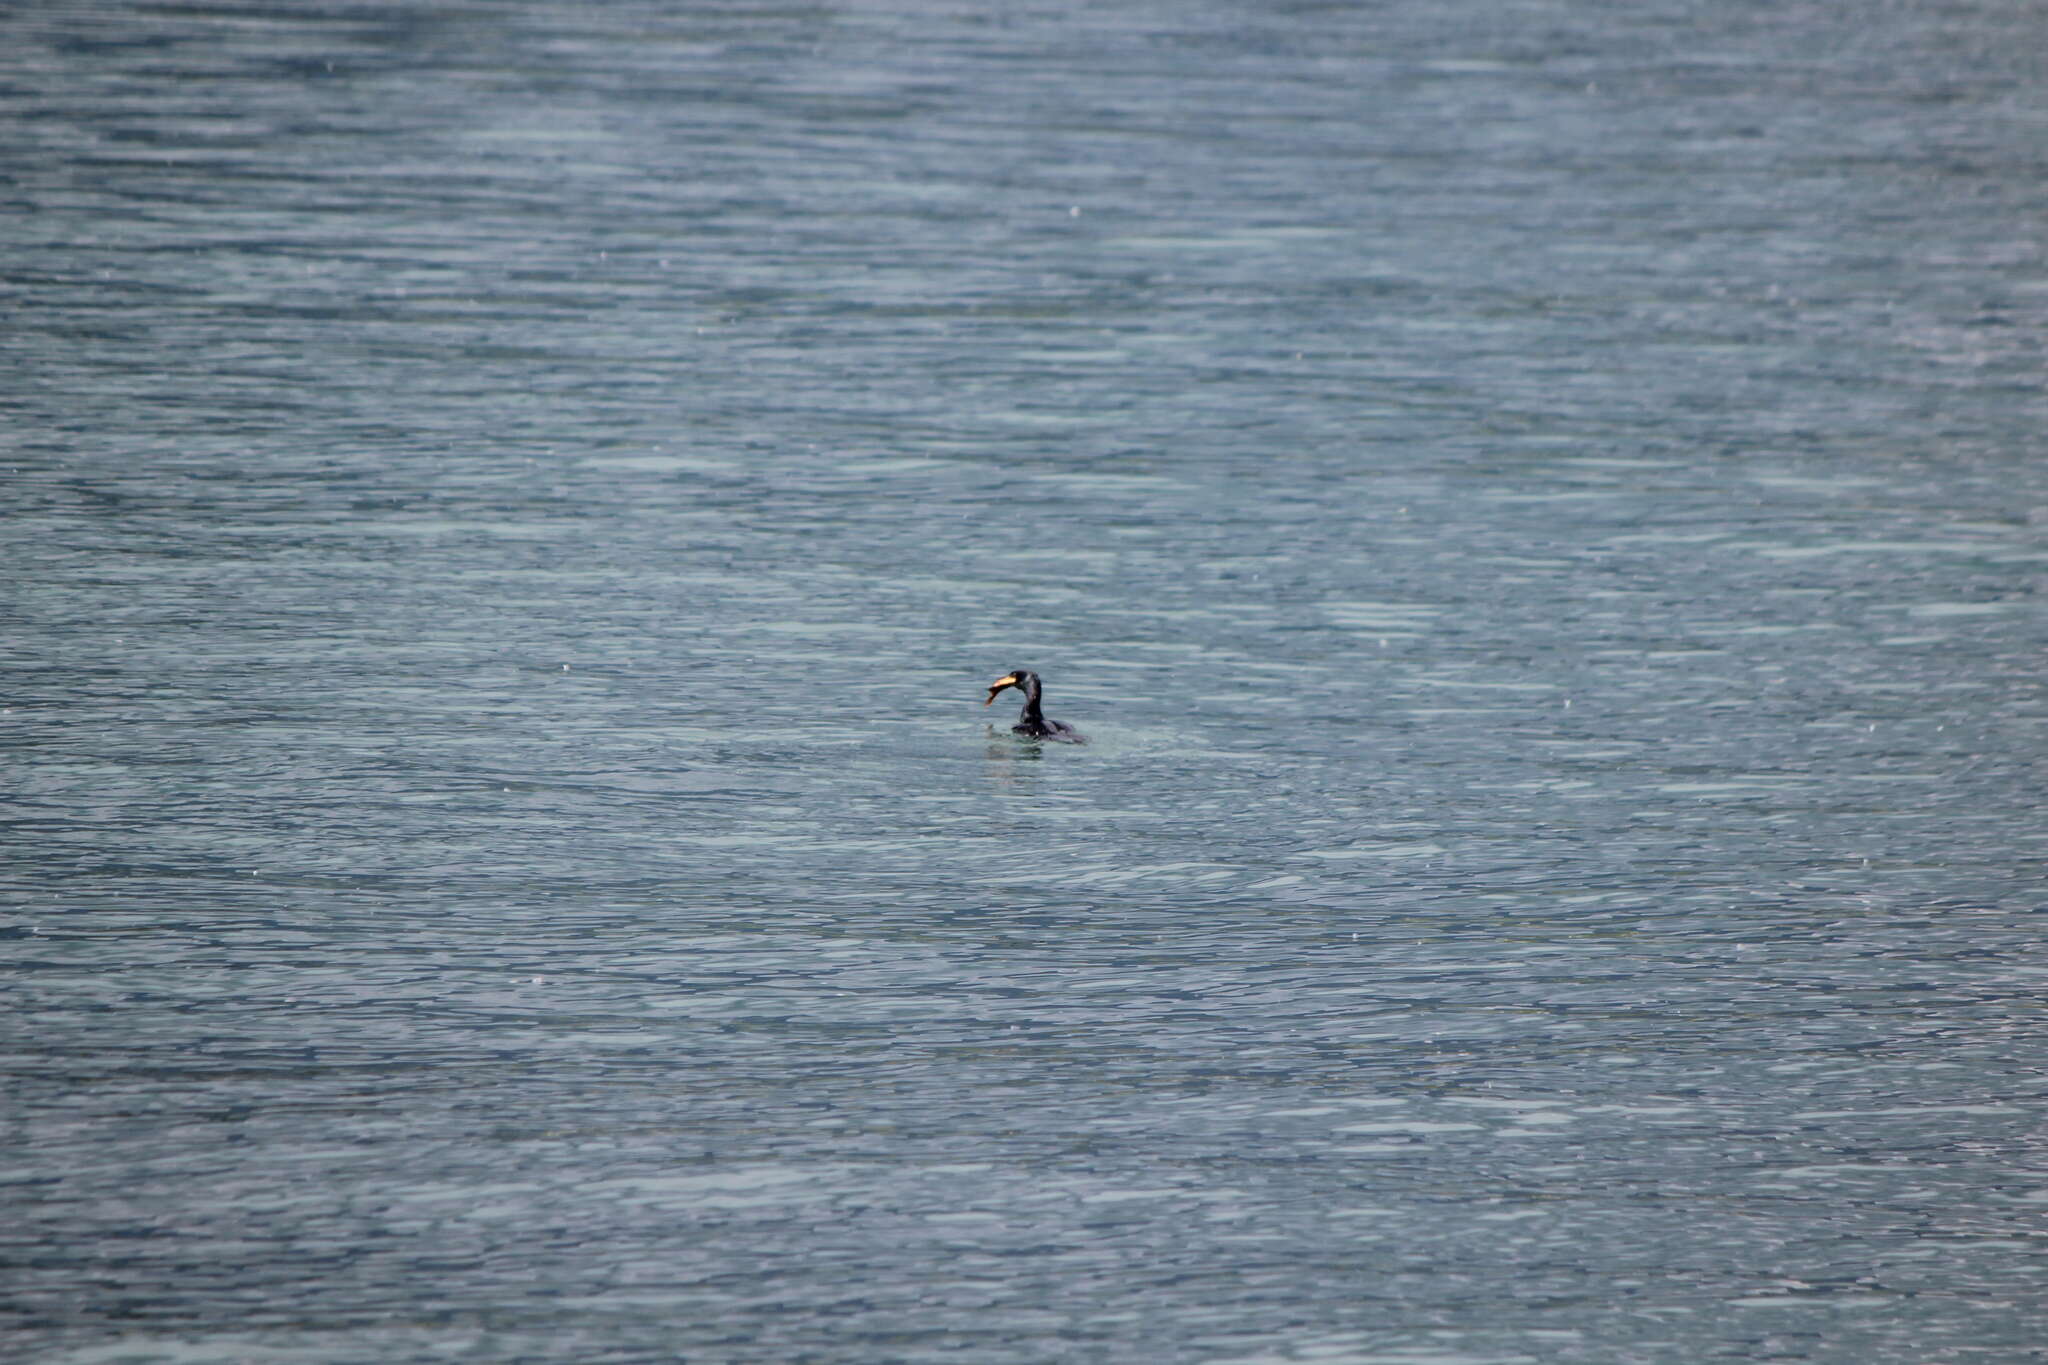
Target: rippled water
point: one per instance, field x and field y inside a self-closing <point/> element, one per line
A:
<point x="510" y="512"/>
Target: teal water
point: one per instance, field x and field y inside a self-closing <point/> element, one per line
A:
<point x="510" y="514"/>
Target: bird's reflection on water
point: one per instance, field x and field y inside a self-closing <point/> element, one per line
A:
<point x="1006" y="750"/>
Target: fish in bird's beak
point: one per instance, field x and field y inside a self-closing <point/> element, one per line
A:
<point x="998" y="685"/>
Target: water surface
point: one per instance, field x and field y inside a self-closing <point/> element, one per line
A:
<point x="509" y="513"/>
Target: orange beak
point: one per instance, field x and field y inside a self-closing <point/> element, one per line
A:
<point x="998" y="685"/>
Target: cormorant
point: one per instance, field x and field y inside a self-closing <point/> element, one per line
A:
<point x="1031" y="722"/>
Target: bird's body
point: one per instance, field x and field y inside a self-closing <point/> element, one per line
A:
<point x="1031" y="722"/>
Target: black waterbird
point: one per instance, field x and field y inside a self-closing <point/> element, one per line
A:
<point x="1031" y="722"/>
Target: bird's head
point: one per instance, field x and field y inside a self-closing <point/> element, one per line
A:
<point x="1022" y="679"/>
